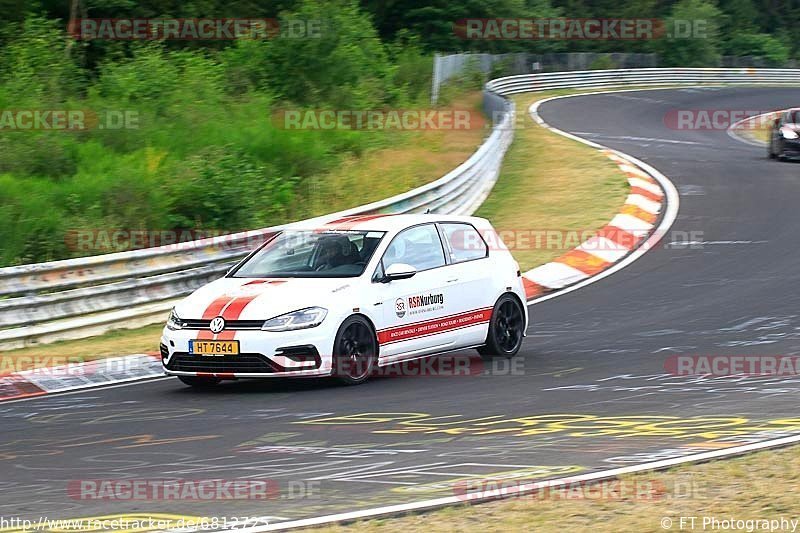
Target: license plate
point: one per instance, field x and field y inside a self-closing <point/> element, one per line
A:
<point x="197" y="347"/>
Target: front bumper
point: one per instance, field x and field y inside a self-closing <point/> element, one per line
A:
<point x="791" y="148"/>
<point x="263" y="354"/>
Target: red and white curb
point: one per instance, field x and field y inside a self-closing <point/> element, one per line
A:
<point x="647" y="214"/>
<point x="623" y="234"/>
<point x="77" y="376"/>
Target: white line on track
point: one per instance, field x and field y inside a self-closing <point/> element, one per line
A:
<point x="510" y="492"/>
<point x="630" y="138"/>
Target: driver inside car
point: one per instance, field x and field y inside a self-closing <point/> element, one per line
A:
<point x="335" y="252"/>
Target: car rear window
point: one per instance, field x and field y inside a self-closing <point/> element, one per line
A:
<point x="465" y="242"/>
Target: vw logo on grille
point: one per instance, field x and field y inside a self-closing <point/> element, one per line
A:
<point x="217" y="325"/>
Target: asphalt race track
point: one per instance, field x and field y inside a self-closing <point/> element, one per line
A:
<point x="590" y="390"/>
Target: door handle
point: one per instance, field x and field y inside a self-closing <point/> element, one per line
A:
<point x="452" y="280"/>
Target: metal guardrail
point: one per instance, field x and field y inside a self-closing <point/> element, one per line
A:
<point x="79" y="297"/>
<point x="73" y="298"/>
<point x="642" y="76"/>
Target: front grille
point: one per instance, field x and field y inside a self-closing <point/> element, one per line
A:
<point x="243" y="363"/>
<point x="229" y="324"/>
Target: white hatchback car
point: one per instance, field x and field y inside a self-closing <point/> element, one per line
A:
<point x="340" y="298"/>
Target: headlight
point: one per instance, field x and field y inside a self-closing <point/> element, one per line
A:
<point x="300" y="319"/>
<point x="174" y="321"/>
<point x="788" y="134"/>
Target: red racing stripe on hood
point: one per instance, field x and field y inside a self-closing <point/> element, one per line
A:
<point x="219" y="306"/>
<point x="235" y="308"/>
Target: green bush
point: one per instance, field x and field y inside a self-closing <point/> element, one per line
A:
<point x="603" y="62"/>
<point x="207" y="153"/>
<point x="344" y="66"/>
<point x="701" y="47"/>
<point x="760" y="45"/>
<point x="35" y="65"/>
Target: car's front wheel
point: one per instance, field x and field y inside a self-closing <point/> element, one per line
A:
<point x="198" y="382"/>
<point x="355" y="351"/>
<point x="506" y="328"/>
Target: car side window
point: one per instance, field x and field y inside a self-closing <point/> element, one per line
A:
<point x="419" y="247"/>
<point x="464" y="241"/>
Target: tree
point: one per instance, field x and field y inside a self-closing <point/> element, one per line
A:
<point x="759" y="45"/>
<point x="692" y="35"/>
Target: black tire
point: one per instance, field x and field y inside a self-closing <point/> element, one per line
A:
<point x="200" y="383"/>
<point x="769" y="148"/>
<point x="506" y="328"/>
<point x="779" y="152"/>
<point x="355" y="351"/>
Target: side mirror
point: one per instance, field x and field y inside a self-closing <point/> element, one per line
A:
<point x="398" y="271"/>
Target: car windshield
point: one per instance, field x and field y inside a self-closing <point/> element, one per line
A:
<point x="312" y="254"/>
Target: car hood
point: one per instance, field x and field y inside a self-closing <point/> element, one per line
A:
<point x="262" y="298"/>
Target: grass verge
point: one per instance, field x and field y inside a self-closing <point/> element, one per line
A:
<point x="753" y="487"/>
<point x="113" y="343"/>
<point x="421" y="157"/>
<point x="550" y="186"/>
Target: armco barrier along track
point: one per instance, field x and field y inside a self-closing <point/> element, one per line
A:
<point x="80" y="297"/>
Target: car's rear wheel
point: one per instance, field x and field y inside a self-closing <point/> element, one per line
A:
<point x="506" y="328"/>
<point x="355" y="351"/>
<point x="200" y="382"/>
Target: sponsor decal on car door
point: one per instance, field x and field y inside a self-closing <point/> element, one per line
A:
<point x="416" y="310"/>
<point x="470" y="275"/>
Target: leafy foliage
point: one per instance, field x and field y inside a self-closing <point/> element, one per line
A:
<point x="207" y="152"/>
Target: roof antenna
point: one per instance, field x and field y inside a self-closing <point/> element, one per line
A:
<point x="428" y="211"/>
